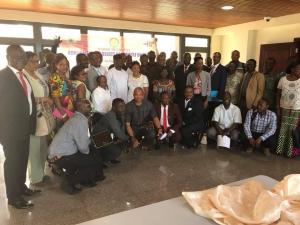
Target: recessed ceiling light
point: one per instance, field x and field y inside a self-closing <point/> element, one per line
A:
<point x="227" y="7"/>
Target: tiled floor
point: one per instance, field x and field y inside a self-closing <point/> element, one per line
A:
<point x="142" y="179"/>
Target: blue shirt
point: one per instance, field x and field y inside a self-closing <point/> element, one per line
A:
<point x="71" y="138"/>
<point x="265" y="124"/>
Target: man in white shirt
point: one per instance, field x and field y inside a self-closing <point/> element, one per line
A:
<point x="101" y="97"/>
<point x="226" y="119"/>
<point x="95" y="69"/>
<point x="117" y="79"/>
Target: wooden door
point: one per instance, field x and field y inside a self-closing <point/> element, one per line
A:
<point x="281" y="52"/>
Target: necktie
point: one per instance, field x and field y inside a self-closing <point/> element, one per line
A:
<point x="165" y="119"/>
<point x="23" y="83"/>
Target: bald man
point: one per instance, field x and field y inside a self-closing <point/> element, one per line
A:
<point x="141" y="119"/>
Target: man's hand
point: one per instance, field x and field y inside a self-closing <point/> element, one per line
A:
<point x="135" y="143"/>
<point x="252" y="142"/>
<point x="57" y="41"/>
<point x="159" y="132"/>
<point x="220" y="131"/>
<point x="258" y="142"/>
<point x="170" y="133"/>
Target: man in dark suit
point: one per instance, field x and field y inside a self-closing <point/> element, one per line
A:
<point x="170" y="119"/>
<point x="18" y="120"/>
<point x="192" y="117"/>
<point x="218" y="83"/>
<point x="181" y="73"/>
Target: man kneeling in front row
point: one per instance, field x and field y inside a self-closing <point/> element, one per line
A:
<point x="114" y="123"/>
<point x="70" y="150"/>
<point x="260" y="126"/>
<point x="226" y="120"/>
<point x="141" y="120"/>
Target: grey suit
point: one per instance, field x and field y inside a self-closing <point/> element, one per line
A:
<point x="92" y="76"/>
<point x="205" y="79"/>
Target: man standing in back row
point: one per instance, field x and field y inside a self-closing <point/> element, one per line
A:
<point x="18" y="122"/>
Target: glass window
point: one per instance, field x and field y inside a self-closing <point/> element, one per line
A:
<point x="107" y="42"/>
<point x="137" y="44"/>
<point x="196" y="42"/>
<point x="203" y="55"/>
<point x="3" y="60"/>
<point x="64" y="33"/>
<point x="72" y="41"/>
<point x="16" y="30"/>
<point x="167" y="44"/>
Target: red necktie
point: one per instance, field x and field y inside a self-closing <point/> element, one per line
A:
<point x="165" y="119"/>
<point x="23" y="83"/>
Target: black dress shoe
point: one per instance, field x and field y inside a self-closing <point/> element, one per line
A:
<point x="21" y="204"/>
<point x="30" y="192"/>
<point x="104" y="166"/>
<point x="70" y="189"/>
<point x="115" y="161"/>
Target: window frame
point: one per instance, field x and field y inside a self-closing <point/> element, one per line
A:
<point x="37" y="41"/>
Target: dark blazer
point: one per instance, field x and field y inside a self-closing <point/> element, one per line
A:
<point x="218" y="81"/>
<point x="180" y="79"/>
<point x="110" y="122"/>
<point x="193" y="112"/>
<point x="15" y="121"/>
<point x="174" y="115"/>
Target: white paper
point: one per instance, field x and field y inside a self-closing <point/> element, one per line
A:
<point x="162" y="137"/>
<point x="223" y="141"/>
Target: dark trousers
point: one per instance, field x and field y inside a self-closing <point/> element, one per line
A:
<point x="145" y="135"/>
<point x="109" y="152"/>
<point x="81" y="168"/>
<point x="188" y="139"/>
<point x="268" y="143"/>
<point x="15" y="167"/>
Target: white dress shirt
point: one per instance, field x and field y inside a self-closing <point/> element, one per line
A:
<point x="227" y="117"/>
<point x="29" y="90"/>
<point x="214" y="68"/>
<point x="102" y="100"/>
<point x="117" y="81"/>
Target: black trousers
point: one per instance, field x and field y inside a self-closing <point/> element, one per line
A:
<point x="81" y="167"/>
<point x="268" y="143"/>
<point x="15" y="167"/>
<point x="109" y="152"/>
<point x="187" y="131"/>
<point x="145" y="135"/>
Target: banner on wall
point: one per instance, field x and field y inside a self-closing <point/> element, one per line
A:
<point x="108" y="46"/>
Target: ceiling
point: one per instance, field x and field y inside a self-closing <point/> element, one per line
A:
<point x="194" y="13"/>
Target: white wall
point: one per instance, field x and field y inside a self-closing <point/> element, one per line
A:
<point x="248" y="37"/>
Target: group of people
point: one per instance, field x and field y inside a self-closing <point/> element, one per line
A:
<point x="156" y="101"/>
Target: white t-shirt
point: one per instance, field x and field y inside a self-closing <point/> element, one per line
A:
<point x="117" y="81"/>
<point x="134" y="82"/>
<point x="226" y="118"/>
<point x="101" y="100"/>
<point x="290" y="93"/>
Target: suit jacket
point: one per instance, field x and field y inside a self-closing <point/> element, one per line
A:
<point x="15" y="121"/>
<point x="205" y="79"/>
<point x="193" y="112"/>
<point x="180" y="79"/>
<point x="218" y="81"/>
<point x="255" y="89"/>
<point x="174" y="115"/>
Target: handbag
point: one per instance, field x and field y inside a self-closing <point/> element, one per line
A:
<point x="102" y="139"/>
<point x="45" y="122"/>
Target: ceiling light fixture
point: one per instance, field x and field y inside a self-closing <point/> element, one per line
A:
<point x="227" y="7"/>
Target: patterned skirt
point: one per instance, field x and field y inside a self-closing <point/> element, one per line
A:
<point x="289" y="121"/>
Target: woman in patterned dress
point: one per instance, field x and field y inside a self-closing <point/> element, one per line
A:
<point x="61" y="89"/>
<point x="288" y="108"/>
<point x="164" y="84"/>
